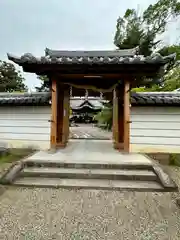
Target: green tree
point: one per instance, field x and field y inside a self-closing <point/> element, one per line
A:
<point x="130" y="33"/>
<point x="10" y="79"/>
<point x="134" y="29"/>
<point x="45" y="84"/>
<point x="166" y="50"/>
<point x="104" y="118"/>
<point x="172" y="79"/>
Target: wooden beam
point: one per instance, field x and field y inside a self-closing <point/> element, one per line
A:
<point x="97" y="76"/>
<point x="126" y="116"/>
<point x="120" y="70"/>
<point x="53" y="137"/>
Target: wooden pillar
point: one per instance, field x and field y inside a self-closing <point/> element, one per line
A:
<point x="118" y="119"/>
<point x="66" y="114"/>
<point x="126" y="116"/>
<point x="121" y="117"/>
<point x="115" y="119"/>
<point x="60" y="115"/>
<point x="63" y="115"/>
<point x="53" y="138"/>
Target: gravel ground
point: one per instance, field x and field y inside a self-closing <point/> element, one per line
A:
<point x="83" y="214"/>
<point x="88" y="131"/>
<point x="3" y="168"/>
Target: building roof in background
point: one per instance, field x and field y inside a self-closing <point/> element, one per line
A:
<point x="94" y="103"/>
<point x="44" y="98"/>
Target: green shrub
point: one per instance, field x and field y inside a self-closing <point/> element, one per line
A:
<point x="174" y="159"/>
<point x="104" y="118"/>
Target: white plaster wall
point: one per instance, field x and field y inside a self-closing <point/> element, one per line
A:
<point x="152" y="128"/>
<point x="25" y="126"/>
<point x="155" y="129"/>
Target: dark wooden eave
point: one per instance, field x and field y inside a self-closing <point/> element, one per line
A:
<point x="81" y="92"/>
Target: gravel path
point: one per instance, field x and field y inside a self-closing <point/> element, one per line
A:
<point x="83" y="214"/>
<point x="88" y="131"/>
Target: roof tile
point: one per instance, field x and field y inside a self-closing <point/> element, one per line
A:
<point x="128" y="56"/>
<point x="137" y="99"/>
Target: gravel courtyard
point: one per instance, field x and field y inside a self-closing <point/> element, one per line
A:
<point x="85" y="214"/>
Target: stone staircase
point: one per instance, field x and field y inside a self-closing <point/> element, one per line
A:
<point x="89" y="175"/>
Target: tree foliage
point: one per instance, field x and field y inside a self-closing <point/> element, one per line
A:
<point x="134" y="29"/>
<point x="130" y="33"/>
<point x="166" y="50"/>
<point x="45" y="84"/>
<point x="172" y="79"/>
<point x="104" y="118"/>
<point x="10" y="79"/>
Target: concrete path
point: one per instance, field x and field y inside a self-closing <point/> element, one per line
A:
<point x="83" y="214"/>
<point x="88" y="151"/>
<point x="88" y="131"/>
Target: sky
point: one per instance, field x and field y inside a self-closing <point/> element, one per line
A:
<point x="31" y="26"/>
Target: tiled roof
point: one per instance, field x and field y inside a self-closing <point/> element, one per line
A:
<point x="155" y="99"/>
<point x="25" y="99"/>
<point x="128" y="56"/>
<point x="94" y="103"/>
<point x="137" y="99"/>
<point x="104" y="53"/>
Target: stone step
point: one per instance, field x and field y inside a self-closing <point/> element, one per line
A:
<point x="100" y="184"/>
<point x="73" y="173"/>
<point x="88" y="164"/>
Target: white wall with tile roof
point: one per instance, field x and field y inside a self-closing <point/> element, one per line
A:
<point x="155" y="129"/>
<point x="152" y="128"/>
<point x="25" y="126"/>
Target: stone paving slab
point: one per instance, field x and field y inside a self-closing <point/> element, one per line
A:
<point x="104" y="184"/>
<point x="91" y="150"/>
<point x="75" y="155"/>
<point x="82" y="173"/>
